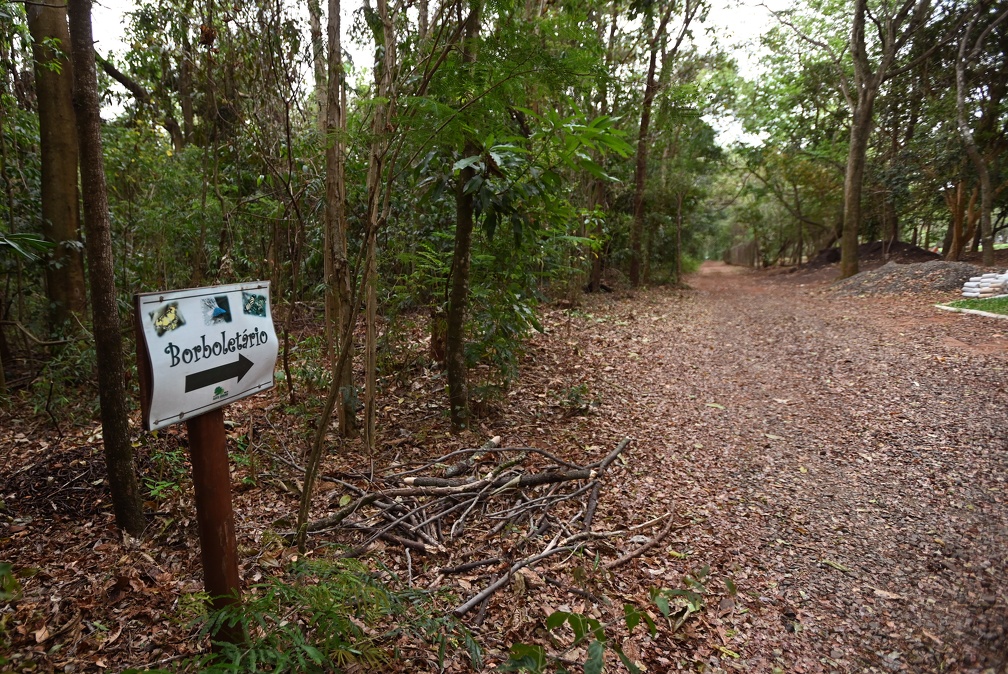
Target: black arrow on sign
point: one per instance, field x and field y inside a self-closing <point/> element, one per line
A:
<point x="214" y="375"/>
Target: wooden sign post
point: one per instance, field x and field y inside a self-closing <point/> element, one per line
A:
<point x="197" y="351"/>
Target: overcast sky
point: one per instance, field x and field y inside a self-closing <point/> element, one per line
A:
<point x="737" y="23"/>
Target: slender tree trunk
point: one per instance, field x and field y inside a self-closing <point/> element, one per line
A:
<point x="64" y="270"/>
<point x="965" y="56"/>
<point x="458" y="297"/>
<point x="658" y="39"/>
<point x="598" y="201"/>
<point x="678" y="239"/>
<point x="318" y="58"/>
<point x="896" y="25"/>
<point x="599" y="190"/>
<point x="385" y="64"/>
<point x="126" y="501"/>
<point x="424" y="19"/>
<point x="458" y="294"/>
<point x="337" y="267"/>
<point x="640" y="166"/>
<point x="854" y="183"/>
<point x="964" y="218"/>
<point x="185" y="89"/>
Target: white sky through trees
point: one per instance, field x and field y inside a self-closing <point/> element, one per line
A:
<point x="735" y="25"/>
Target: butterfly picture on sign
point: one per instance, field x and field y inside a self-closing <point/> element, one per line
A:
<point x="254" y="305"/>
<point x="216" y="310"/>
<point x="167" y="318"/>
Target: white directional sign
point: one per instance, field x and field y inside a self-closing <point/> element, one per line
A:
<point x="203" y="348"/>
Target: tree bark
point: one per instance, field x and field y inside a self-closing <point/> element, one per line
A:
<point x="966" y="56"/>
<point x="337" y="267"/>
<point x="650" y="90"/>
<point x="126" y="500"/>
<point x="64" y="270"/>
<point x="964" y="218"/>
<point x="458" y="295"/>
<point x="385" y="64"/>
<point x="185" y="89"/>
<point x="853" y="184"/>
<point x="640" y="166"/>
<point x="318" y="58"/>
<point x="599" y="187"/>
<point x="895" y="29"/>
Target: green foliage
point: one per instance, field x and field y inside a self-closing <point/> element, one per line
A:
<point x="169" y="470"/>
<point x="10" y="587"/>
<point x="327" y="616"/>
<point x="994" y="305"/>
<point x="675" y="605"/>
<point x="577" y="399"/>
<point x="28" y="246"/>
<point x="63" y="390"/>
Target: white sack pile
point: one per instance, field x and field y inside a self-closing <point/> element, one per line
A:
<point x="988" y="285"/>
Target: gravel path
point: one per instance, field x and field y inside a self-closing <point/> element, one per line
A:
<point x="844" y="464"/>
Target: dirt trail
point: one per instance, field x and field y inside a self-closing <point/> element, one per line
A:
<point x="839" y="462"/>
<point x="843" y="461"/>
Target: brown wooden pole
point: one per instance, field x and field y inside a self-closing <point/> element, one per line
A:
<point x="218" y="546"/>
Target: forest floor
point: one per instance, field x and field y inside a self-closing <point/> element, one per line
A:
<point x="833" y="456"/>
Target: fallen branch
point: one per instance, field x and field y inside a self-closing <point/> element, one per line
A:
<point x="507" y="482"/>
<point x="468" y="566"/>
<point x="609" y="566"/>
<point x="567" y="546"/>
<point x="602" y="466"/>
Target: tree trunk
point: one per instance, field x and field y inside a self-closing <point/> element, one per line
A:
<point x="126" y="500"/>
<point x="895" y="29"/>
<point x="458" y="297"/>
<point x="185" y="89"/>
<point x="964" y="217"/>
<point x="337" y="267"/>
<point x="678" y="239"/>
<point x="458" y="294"/>
<point x="424" y="19"/>
<point x="599" y="187"/>
<point x="640" y="166"/>
<point x="969" y="141"/>
<point x="598" y="201"/>
<point x="655" y="43"/>
<point x="854" y="182"/>
<point x="64" y="270"/>
<point x="318" y="58"/>
<point x="385" y="63"/>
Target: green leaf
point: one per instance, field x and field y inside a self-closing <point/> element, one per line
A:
<point x="652" y="627"/>
<point x="556" y="619"/>
<point x="632" y="615"/>
<point x="596" y="658"/>
<point x="523" y="657"/>
<point x="344" y="500"/>
<point x="662" y="603"/>
<point x="26" y="245"/>
<point x="580" y="624"/>
<point x="466" y="163"/>
<point x="627" y="662"/>
<point x="715" y="405"/>
<point x="313" y="653"/>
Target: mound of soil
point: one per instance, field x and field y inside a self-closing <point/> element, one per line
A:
<point x="893" y="278"/>
<point x="874" y="254"/>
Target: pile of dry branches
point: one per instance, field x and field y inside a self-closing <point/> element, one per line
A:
<point x="474" y="496"/>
